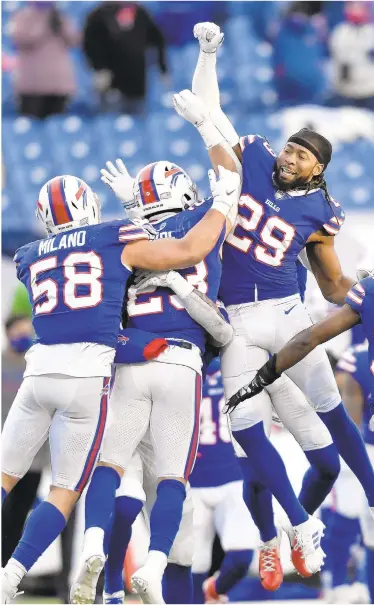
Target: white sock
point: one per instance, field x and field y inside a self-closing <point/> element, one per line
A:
<point x="93" y="542"/>
<point x="157" y="559"/>
<point x="15" y="571"/>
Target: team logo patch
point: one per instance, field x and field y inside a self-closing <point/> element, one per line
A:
<point x="122" y="339"/>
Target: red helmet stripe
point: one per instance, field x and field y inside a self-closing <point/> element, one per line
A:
<point x="172" y="171"/>
<point x="147" y="186"/>
<point x="57" y="201"/>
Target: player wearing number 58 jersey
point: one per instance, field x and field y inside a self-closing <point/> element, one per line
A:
<point x="76" y="279"/>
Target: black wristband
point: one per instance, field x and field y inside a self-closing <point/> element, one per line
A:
<point x="268" y="372"/>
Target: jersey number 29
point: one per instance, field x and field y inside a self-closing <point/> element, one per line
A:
<point x="48" y="288"/>
<point x="275" y="246"/>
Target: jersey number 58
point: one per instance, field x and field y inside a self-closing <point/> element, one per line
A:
<point x="48" y="289"/>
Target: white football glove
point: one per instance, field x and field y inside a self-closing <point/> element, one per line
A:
<point x="119" y="180"/>
<point x="371" y="423"/>
<point x="209" y="36"/>
<point x="190" y="107"/>
<point x="163" y="279"/>
<point x="225" y="190"/>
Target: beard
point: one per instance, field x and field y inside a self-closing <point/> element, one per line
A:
<point x="297" y="183"/>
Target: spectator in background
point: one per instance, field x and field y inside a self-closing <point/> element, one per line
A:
<point x="299" y="56"/>
<point x="352" y="52"/>
<point x="44" y="74"/>
<point x="116" y="37"/>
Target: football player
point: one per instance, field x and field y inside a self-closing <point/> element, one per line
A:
<point x="163" y="394"/>
<point x="355" y="382"/>
<point x="76" y="280"/>
<point x="284" y="209"/>
<point x="217" y="495"/>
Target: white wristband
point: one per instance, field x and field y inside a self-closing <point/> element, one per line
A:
<point x="221" y="206"/>
<point x="209" y="133"/>
<point x="223" y="124"/>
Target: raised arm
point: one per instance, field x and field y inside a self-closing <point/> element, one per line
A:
<point x="205" y="82"/>
<point x="160" y="255"/>
<point x="192" y="109"/>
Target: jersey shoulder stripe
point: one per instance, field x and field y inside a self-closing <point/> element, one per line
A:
<point x="337" y="218"/>
<point x="247" y="140"/>
<point x="356" y="294"/>
<point x="131" y="232"/>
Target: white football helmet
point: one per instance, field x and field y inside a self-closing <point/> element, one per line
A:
<point x="66" y="202"/>
<point x="160" y="188"/>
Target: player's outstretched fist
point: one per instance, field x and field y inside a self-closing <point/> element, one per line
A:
<point x="225" y="190"/>
<point x="209" y="35"/>
<point x="190" y="107"/>
<point x="119" y="180"/>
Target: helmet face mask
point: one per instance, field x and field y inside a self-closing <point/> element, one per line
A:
<point x="161" y="188"/>
<point x="65" y="203"/>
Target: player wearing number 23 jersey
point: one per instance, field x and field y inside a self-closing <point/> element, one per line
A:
<point x="160" y="311"/>
<point x="161" y="395"/>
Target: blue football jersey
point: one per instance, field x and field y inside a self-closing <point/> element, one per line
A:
<point x="159" y="310"/>
<point x="361" y="299"/>
<point x="216" y="463"/>
<point x="272" y="227"/>
<point x="76" y="282"/>
<point x="355" y="361"/>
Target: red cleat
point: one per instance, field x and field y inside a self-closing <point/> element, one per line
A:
<point x="210" y="593"/>
<point x="270" y="567"/>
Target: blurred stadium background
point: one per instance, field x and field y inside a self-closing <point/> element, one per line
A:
<point x="262" y="40"/>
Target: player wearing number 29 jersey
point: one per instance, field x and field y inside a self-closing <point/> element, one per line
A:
<point x="284" y="208"/>
<point x="272" y="228"/>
